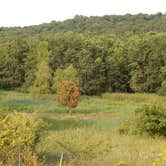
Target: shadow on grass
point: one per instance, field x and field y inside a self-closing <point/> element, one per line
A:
<point x="52" y="159"/>
<point x="25" y="102"/>
<point x="66" y="124"/>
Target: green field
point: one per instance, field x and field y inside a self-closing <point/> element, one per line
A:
<point x="89" y="137"/>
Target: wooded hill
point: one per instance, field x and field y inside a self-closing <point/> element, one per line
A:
<point x="110" y="53"/>
<point x="114" y="24"/>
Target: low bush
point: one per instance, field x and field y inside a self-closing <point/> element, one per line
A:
<point x="18" y="136"/>
<point x="127" y="127"/>
<point x="151" y="120"/>
<point x="162" y="90"/>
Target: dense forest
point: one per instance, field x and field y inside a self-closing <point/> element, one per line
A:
<point x="110" y="53"/>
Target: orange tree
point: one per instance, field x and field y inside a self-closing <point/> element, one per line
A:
<point x="68" y="94"/>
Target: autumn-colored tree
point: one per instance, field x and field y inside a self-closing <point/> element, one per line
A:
<point x="68" y="94"/>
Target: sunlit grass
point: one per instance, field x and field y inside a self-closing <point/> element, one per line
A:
<point x="77" y="144"/>
<point x="94" y="122"/>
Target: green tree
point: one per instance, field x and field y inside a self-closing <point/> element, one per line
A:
<point x="12" y="56"/>
<point x="69" y="73"/>
<point x="118" y="68"/>
<point x="41" y="84"/>
<point x="147" y="62"/>
<point x="162" y="89"/>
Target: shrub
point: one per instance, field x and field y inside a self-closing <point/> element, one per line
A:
<point x="69" y="73"/>
<point x="162" y="90"/>
<point x="151" y="120"/>
<point x="126" y="127"/>
<point x="18" y="135"/>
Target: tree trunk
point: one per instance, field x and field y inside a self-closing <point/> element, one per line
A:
<point x="70" y="111"/>
<point x="60" y="164"/>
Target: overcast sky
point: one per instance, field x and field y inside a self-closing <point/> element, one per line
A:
<point x="30" y="12"/>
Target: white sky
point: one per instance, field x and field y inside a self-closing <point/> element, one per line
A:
<point x="30" y="12"/>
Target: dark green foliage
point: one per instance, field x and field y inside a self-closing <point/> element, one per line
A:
<point x="12" y="55"/>
<point x="147" y="63"/>
<point x="109" y="53"/>
<point x="118" y="68"/>
<point x="162" y="89"/>
<point x="86" y="55"/>
<point x="151" y="120"/>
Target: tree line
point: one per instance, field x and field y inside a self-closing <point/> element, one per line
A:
<point x="121" y="25"/>
<point x="97" y="63"/>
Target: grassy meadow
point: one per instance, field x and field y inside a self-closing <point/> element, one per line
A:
<point x="89" y="137"/>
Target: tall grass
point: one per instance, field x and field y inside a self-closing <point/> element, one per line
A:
<point x="95" y="148"/>
<point x="134" y="97"/>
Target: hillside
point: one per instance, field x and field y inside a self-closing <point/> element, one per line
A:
<point x="108" y="24"/>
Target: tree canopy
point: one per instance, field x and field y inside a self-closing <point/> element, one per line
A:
<point x="110" y="53"/>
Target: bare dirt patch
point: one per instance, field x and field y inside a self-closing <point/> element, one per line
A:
<point x="86" y="116"/>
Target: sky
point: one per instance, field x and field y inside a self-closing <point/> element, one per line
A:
<point x="33" y="12"/>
